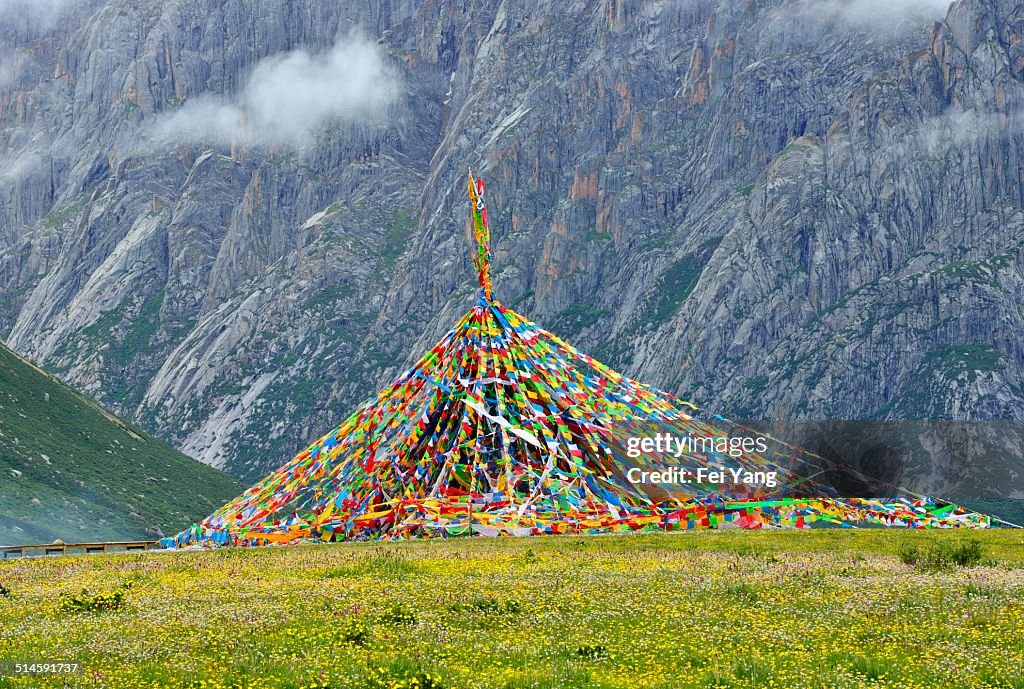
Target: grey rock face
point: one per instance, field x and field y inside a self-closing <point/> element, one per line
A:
<point x="770" y="208"/>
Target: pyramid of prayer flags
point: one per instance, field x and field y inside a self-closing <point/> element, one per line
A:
<point x="503" y="428"/>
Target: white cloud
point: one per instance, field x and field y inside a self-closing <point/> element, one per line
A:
<point x="14" y="170"/>
<point x="34" y="15"/>
<point x="24" y="21"/>
<point x="886" y="11"/>
<point x="13" y="64"/>
<point x="7" y="70"/>
<point x="878" y="14"/>
<point x="289" y="97"/>
<point x="957" y="127"/>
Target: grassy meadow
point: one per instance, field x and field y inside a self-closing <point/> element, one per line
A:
<point x="817" y="608"/>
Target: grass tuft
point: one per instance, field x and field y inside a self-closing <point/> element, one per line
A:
<point x="398" y="614"/>
<point x="595" y="652"/>
<point x="354" y="631"/>
<point x="93" y="602"/>
<point x="941" y="555"/>
<point x="487" y="605"/>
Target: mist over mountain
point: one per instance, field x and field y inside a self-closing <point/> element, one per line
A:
<point x="230" y="221"/>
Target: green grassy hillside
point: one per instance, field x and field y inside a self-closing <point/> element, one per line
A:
<point x="69" y="469"/>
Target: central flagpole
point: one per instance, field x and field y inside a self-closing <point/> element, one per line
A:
<point x="482" y="234"/>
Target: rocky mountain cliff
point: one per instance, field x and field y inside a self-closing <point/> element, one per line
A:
<point x="774" y="208"/>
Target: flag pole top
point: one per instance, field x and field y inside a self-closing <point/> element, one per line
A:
<point x="482" y="234"/>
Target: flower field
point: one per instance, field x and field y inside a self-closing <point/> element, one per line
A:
<point x="819" y="608"/>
